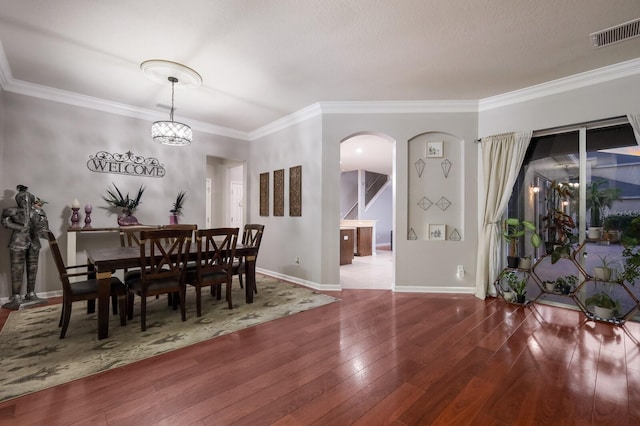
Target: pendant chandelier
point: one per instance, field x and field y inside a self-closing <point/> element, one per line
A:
<point x="171" y="132"/>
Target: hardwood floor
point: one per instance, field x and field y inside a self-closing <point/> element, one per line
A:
<point x="374" y="358"/>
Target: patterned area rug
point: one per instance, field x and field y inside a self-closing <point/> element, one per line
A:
<point x="34" y="358"/>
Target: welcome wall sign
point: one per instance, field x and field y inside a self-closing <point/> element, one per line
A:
<point x="125" y="164"/>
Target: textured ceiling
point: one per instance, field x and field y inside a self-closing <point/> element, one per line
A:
<point x="262" y="60"/>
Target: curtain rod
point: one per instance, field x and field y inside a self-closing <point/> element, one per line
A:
<point x="595" y="124"/>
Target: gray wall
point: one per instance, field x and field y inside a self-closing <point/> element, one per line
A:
<point x="46" y="145"/>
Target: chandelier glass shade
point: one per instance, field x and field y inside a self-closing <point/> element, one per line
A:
<point x="171" y="132"/>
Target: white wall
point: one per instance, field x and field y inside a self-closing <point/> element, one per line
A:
<point x="419" y="265"/>
<point x="604" y="100"/>
<point x="286" y="238"/>
<point x="46" y="146"/>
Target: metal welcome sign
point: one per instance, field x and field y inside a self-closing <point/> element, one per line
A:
<point x="125" y="164"/>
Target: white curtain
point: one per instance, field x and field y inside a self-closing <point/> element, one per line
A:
<point x="500" y="162"/>
<point x="634" y="120"/>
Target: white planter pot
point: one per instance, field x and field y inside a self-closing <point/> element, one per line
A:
<point x="509" y="296"/>
<point x="550" y="286"/>
<point x="604" y="313"/>
<point x="594" y="233"/>
<point x="602" y="274"/>
<point x="525" y="263"/>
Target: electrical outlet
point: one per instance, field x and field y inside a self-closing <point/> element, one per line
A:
<point x="460" y="271"/>
<point x="297" y="260"/>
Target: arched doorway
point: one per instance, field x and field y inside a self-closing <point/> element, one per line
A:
<point x="367" y="200"/>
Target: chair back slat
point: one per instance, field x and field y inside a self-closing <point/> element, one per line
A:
<point x="160" y="260"/>
<point x="252" y="235"/>
<point x="216" y="250"/>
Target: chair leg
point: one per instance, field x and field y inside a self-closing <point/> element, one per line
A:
<point x="114" y="303"/>
<point x="198" y="300"/>
<point x="61" y="315"/>
<point x="240" y="278"/>
<point x="183" y="310"/>
<point x="91" y="306"/>
<point x="67" y="315"/>
<point x="218" y="291"/>
<point x="143" y="312"/>
<point x="122" y="302"/>
<point x="130" y="300"/>
<point x="228" y="294"/>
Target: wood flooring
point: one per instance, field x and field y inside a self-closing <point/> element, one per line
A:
<point x="373" y="358"/>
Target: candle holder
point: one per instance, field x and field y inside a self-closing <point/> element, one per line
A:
<point x="75" y="217"/>
<point x="87" y="219"/>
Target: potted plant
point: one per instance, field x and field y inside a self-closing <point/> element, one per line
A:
<point x="550" y="285"/>
<point x="509" y="279"/>
<point x="566" y="285"/>
<point x="176" y="211"/>
<point x="525" y="262"/>
<point x="520" y="290"/>
<point x="604" y="306"/>
<point x="596" y="199"/>
<point x="559" y="225"/>
<point x="126" y="203"/>
<point x="631" y="253"/>
<point x="512" y="230"/>
<point x="604" y="271"/>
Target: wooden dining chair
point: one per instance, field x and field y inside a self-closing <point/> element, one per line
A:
<point x="251" y="237"/>
<point x="162" y="269"/>
<point x="216" y="250"/>
<point x="81" y="290"/>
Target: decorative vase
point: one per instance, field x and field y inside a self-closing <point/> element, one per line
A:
<point x="127" y="219"/>
<point x="173" y="219"/>
<point x="551" y="287"/>
<point x="521" y="298"/>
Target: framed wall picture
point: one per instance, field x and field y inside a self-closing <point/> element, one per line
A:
<point x="278" y="192"/>
<point x="264" y="194"/>
<point x="295" y="191"/>
<point x="434" y="150"/>
<point x="437" y="232"/>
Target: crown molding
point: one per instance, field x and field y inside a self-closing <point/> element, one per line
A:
<point x="286" y="121"/>
<point x="589" y="78"/>
<point x="565" y="84"/>
<point x="398" y="107"/>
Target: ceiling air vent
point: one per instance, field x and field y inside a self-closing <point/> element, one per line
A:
<point x="615" y="34"/>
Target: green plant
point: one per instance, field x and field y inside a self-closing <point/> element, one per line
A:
<point x="631" y="256"/>
<point x="566" y="284"/>
<point x="520" y="287"/>
<point x="178" y="204"/>
<point x="620" y="221"/>
<point x="559" y="226"/>
<point x="514" y="282"/>
<point x="514" y="228"/>
<point x="128" y="204"/>
<point x="602" y="300"/>
<point x="597" y="198"/>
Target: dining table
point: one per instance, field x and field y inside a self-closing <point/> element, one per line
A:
<point x="106" y="260"/>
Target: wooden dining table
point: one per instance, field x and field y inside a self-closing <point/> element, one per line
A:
<point x="105" y="261"/>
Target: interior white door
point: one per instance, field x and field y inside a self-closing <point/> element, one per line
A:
<point x="236" y="209"/>
<point x="208" y="203"/>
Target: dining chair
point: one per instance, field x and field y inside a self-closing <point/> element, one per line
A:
<point x="251" y="237"/>
<point x="162" y="269"/>
<point x="216" y="250"/>
<point x="82" y="290"/>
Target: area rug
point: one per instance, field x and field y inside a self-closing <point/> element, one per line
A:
<point x="32" y="357"/>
